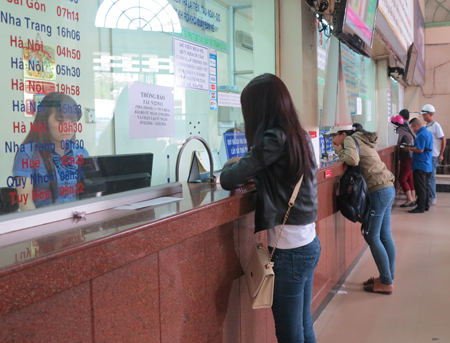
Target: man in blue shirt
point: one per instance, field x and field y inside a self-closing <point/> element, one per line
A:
<point x="422" y="165"/>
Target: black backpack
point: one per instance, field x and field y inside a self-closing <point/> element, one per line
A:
<point x="353" y="199"/>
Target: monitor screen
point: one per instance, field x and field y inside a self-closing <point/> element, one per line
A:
<point x="360" y="18"/>
<point x="354" y="22"/>
<point x="104" y="175"/>
<point x="410" y="69"/>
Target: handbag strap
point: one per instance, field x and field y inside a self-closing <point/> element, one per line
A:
<point x="290" y="204"/>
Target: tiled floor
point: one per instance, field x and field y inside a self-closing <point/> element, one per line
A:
<point x="419" y="309"/>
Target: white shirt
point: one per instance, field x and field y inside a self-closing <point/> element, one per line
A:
<point x="293" y="236"/>
<point x="436" y="130"/>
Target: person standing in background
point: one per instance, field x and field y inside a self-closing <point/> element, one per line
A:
<point x="405" y="177"/>
<point x="438" y="147"/>
<point x="421" y="164"/>
<point x="405" y="115"/>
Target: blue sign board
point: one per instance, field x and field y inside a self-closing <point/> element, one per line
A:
<point x="322" y="145"/>
<point x="213" y="80"/>
<point x="235" y="144"/>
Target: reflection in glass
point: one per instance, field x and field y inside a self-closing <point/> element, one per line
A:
<point x="46" y="163"/>
<point x="95" y="62"/>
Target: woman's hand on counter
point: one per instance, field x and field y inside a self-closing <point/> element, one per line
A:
<point x="232" y="160"/>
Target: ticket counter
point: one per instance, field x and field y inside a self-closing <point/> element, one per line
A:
<point x="169" y="273"/>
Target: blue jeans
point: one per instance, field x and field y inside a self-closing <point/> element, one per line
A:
<point x="432" y="183"/>
<point x="294" y="273"/>
<point x="379" y="237"/>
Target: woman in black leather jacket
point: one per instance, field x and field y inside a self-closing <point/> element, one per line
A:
<point x="280" y="152"/>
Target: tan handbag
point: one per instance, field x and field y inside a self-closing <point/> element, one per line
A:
<point x="259" y="268"/>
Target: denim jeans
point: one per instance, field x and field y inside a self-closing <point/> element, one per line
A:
<point x="294" y="272"/>
<point x="379" y="237"/>
<point x="432" y="182"/>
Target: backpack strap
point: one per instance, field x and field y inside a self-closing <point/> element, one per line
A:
<point x="410" y="131"/>
<point x="357" y="148"/>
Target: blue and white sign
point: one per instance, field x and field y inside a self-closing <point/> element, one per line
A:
<point x="228" y="88"/>
<point x="213" y="80"/>
<point x="329" y="146"/>
<point x="234" y="144"/>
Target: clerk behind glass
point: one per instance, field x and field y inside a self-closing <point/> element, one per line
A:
<point x="46" y="164"/>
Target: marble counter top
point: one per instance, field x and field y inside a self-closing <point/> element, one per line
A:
<point x="142" y="267"/>
<point x="37" y="243"/>
<point x="28" y="245"/>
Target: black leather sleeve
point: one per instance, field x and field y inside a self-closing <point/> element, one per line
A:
<point x="251" y="164"/>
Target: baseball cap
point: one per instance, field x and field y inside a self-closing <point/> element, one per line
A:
<point x="335" y="129"/>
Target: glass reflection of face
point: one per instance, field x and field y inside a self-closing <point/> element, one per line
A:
<point x="57" y="132"/>
<point x="338" y="139"/>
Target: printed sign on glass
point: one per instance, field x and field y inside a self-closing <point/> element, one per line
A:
<point x="151" y="111"/>
<point x="191" y="65"/>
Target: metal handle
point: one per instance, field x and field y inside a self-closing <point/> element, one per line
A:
<point x="212" y="178"/>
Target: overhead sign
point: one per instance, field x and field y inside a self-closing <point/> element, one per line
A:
<point x="395" y="21"/>
<point x="419" y="40"/>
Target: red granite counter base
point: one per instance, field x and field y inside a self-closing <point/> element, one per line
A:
<point x="150" y="277"/>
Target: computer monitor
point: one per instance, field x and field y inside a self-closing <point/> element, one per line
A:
<point x="104" y="175"/>
<point x="410" y="68"/>
<point x="354" y="24"/>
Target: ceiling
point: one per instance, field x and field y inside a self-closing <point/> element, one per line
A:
<point x="437" y="11"/>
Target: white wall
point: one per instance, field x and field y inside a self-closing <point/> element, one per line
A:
<point x="298" y="61"/>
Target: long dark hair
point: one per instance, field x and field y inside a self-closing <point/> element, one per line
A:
<point x="64" y="107"/>
<point x="267" y="104"/>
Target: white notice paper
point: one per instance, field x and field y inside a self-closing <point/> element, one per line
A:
<point x="191" y="65"/>
<point x="369" y="109"/>
<point x="321" y="58"/>
<point x="151" y="111"/>
<point x="203" y="157"/>
<point x="358" y="106"/>
<point x="229" y="99"/>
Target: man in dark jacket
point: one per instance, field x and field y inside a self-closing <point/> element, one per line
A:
<point x="421" y="164"/>
<point x="405" y="115"/>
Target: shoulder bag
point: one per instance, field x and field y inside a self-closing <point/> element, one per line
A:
<point x="259" y="268"/>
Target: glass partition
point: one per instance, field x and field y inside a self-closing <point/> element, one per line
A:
<point x="360" y="79"/>
<point x="393" y="109"/>
<point x="100" y="95"/>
